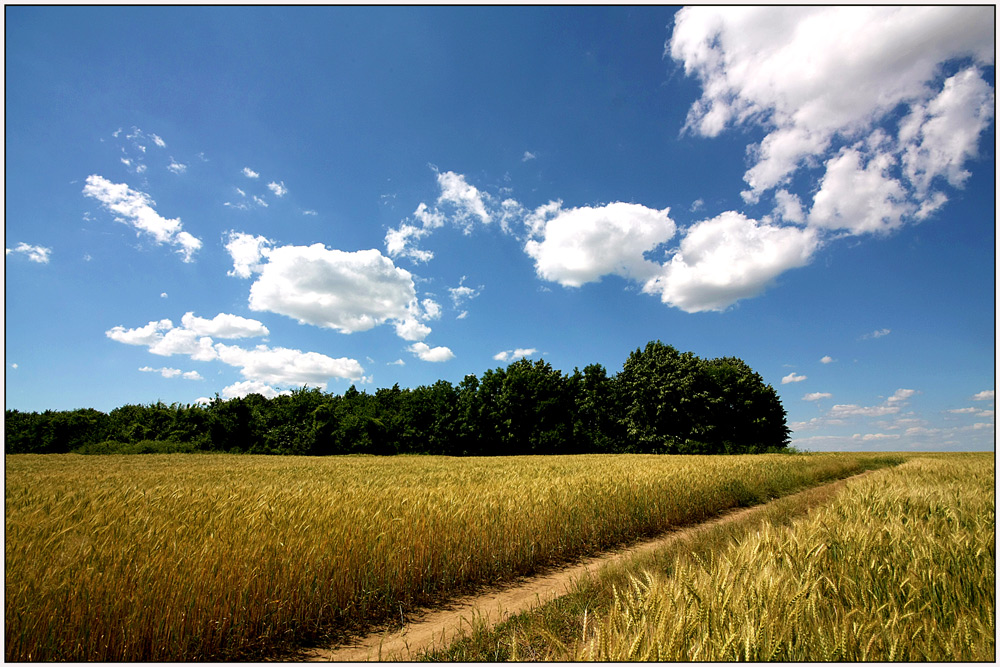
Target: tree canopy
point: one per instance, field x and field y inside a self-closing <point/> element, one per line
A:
<point x="662" y="401"/>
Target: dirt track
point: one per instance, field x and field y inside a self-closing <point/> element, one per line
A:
<point x="438" y="627"/>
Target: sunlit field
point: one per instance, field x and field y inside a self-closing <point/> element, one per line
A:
<point x="188" y="557"/>
<point x="899" y="567"/>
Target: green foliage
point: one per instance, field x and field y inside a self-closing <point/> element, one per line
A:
<point x="663" y="401"/>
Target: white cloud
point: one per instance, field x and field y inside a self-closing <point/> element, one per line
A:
<point x="528" y="155"/>
<point x="580" y="245"/>
<point x="728" y="258"/>
<point x="247" y="251"/>
<point x="985" y="395"/>
<point x="35" y="253"/>
<point x="467" y="200"/>
<point x="158" y="141"/>
<point x="224" y="325"/>
<point x="398" y="362"/>
<point x="514" y="354"/>
<point x="309" y="212"/>
<point x="963" y="411"/>
<point x="817" y="78"/>
<point x="345" y="291"/>
<point x="434" y="354"/>
<point x="402" y="242"/>
<point x="147" y="335"/>
<point x="901" y="396"/>
<point x="278" y="189"/>
<point x="183" y="341"/>
<point x="850" y="410"/>
<point x="259" y="201"/>
<point x="868" y="437"/>
<point x="816" y="396"/>
<point x="878" y="333"/>
<point x="247" y="387"/>
<point x="136" y="209"/>
<point x="176" y="167"/>
<point x="288" y="367"/>
<point x="944" y="133"/>
<point x="792" y="377"/>
<point x="827" y="360"/>
<point x="173" y="372"/>
<point x="250" y="173"/>
<point x="860" y="198"/>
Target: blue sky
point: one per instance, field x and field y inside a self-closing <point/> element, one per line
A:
<point x="225" y="200"/>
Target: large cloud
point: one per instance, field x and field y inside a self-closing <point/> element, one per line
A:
<point x="135" y="208"/>
<point x="335" y="289"/>
<point x="812" y="76"/>
<point x="261" y="365"/>
<point x="728" y="258"/>
<point x="579" y="245"/>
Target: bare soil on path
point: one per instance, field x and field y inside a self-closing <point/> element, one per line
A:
<point x="439" y="627"/>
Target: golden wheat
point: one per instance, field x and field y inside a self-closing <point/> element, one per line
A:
<point x="209" y="557"/>
<point x="901" y="567"/>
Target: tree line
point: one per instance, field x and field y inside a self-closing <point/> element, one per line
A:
<point x="662" y="401"/>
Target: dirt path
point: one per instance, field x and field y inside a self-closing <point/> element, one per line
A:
<point x="438" y="627"/>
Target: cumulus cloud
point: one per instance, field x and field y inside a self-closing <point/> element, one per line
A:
<point x="816" y="396"/>
<point x="985" y="395"/>
<point x="901" y="396"/>
<point x="467" y="200"/>
<point x="728" y="258"/>
<point x="344" y="291"/>
<point x="176" y="167"/>
<point x="35" y="253"/>
<point x="580" y="245"/>
<point x="147" y="335"/>
<point x="135" y="208"/>
<point x="784" y="69"/>
<point x="288" y="367"/>
<point x="224" y="325"/>
<point x="246" y="251"/>
<point x="435" y="354"/>
<point x="514" y="354"/>
<point x="247" y="387"/>
<point x="793" y="377"/>
<point x="827" y="359"/>
<point x="250" y="173"/>
<point x="278" y="189"/>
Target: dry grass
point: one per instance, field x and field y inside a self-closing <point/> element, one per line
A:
<point x="220" y="557"/>
<point x="900" y="567"/>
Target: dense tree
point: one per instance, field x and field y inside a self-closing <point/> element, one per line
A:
<point x="662" y="401"/>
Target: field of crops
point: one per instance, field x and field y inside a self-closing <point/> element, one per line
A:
<point x="899" y="567"/>
<point x="194" y="557"/>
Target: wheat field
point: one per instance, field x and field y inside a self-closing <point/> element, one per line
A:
<point x="220" y="557"/>
<point x="900" y="567"/>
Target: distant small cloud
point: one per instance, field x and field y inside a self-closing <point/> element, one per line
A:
<point x="901" y="395"/>
<point x="35" y="253"/>
<point x="434" y="354"/>
<point x="697" y="205"/>
<point x="278" y="189"/>
<point x="260" y="202"/>
<point x="250" y="173"/>
<point x="510" y="355"/>
<point x="398" y="362"/>
<point x="793" y="377"/>
<point x="176" y="167"/>
<point x="827" y="360"/>
<point x="163" y="295"/>
<point x="528" y="155"/>
<point x="986" y="395"/>
<point x="817" y="396"/>
<point x="877" y="334"/>
<point x="309" y="212"/>
<point x="158" y="141"/>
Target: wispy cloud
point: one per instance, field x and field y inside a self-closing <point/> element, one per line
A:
<point x="878" y="333"/>
<point x="135" y="209"/>
<point x="278" y="189"/>
<point x="176" y="167"/>
<point x="35" y="253"/>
